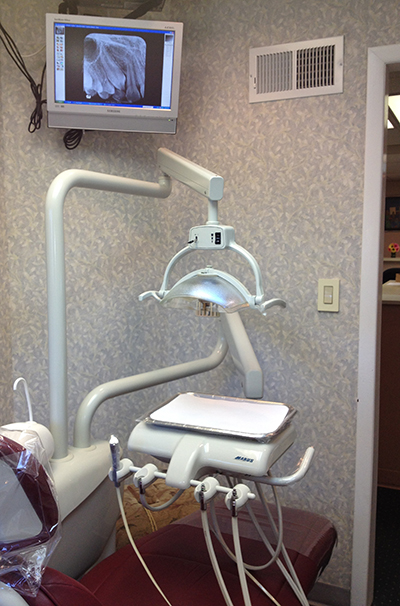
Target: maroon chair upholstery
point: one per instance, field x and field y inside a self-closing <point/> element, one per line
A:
<point x="178" y="558"/>
<point x="58" y="589"/>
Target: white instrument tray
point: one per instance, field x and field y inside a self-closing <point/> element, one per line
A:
<point x="255" y="419"/>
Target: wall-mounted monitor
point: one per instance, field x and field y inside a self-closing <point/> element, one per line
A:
<point x="113" y="74"/>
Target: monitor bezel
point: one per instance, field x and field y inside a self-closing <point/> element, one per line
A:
<point x="104" y="117"/>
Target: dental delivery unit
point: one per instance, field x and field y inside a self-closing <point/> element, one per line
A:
<point x="217" y="446"/>
<point x="240" y="439"/>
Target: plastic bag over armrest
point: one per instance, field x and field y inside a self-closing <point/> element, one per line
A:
<point x="30" y="523"/>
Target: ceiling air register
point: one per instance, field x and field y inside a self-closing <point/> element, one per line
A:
<point x="300" y="69"/>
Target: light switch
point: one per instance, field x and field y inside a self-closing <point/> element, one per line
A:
<point x="328" y="295"/>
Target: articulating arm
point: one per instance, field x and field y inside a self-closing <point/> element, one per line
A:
<point x="147" y="379"/>
<point x="232" y="335"/>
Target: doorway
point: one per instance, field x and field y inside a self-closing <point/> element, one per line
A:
<point x="379" y="59"/>
<point x="387" y="585"/>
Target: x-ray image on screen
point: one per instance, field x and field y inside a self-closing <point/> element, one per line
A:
<point x="114" y="67"/>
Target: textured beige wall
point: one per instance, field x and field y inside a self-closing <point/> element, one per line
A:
<point x="294" y="190"/>
<point x="6" y="401"/>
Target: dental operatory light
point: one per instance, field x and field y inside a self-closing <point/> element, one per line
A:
<point x="207" y="290"/>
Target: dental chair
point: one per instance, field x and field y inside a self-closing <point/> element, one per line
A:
<point x="184" y="571"/>
<point x="178" y="558"/>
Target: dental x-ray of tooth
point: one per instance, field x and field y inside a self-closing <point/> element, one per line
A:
<point x="114" y="67"/>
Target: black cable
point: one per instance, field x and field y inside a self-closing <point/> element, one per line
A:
<point x="72" y="138"/>
<point x="143" y="9"/>
<point x="35" y="121"/>
<point x="68" y="7"/>
<point x="37" y="89"/>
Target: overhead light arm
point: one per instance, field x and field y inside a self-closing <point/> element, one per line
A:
<point x="196" y="177"/>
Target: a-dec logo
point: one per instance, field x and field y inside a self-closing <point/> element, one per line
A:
<point x="245" y="459"/>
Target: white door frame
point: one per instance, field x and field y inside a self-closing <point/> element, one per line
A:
<point x="369" y="339"/>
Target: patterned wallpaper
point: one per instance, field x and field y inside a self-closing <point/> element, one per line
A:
<point x="293" y="190"/>
<point x="6" y="408"/>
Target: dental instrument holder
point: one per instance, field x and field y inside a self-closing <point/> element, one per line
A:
<point x="149" y="473"/>
<point x="212" y="236"/>
<point x="191" y="455"/>
<point x="194" y="451"/>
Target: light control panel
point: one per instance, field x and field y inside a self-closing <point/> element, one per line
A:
<point x="206" y="237"/>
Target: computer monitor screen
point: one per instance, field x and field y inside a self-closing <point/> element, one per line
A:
<point x="113" y="74"/>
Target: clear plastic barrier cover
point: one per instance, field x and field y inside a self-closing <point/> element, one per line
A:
<point x="29" y="521"/>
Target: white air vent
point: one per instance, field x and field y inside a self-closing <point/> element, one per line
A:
<point x="300" y="69"/>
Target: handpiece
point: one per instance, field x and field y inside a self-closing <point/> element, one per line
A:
<point x="115" y="459"/>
